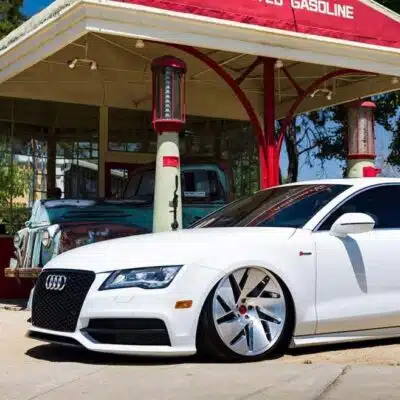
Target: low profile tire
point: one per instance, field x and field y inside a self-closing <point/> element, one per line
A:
<point x="248" y="316"/>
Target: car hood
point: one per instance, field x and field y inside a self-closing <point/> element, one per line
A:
<point x="169" y="248"/>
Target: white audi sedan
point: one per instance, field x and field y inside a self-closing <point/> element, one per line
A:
<point x="296" y="265"/>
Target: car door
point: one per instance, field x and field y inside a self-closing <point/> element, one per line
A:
<point x="358" y="277"/>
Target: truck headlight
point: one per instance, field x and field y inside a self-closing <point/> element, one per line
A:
<point x="145" y="278"/>
<point x="46" y="239"/>
<point x="17" y="240"/>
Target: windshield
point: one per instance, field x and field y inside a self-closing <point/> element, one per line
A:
<point x="284" y="206"/>
<point x="198" y="186"/>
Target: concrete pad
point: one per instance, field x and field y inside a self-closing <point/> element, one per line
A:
<point x="200" y="381"/>
<point x="32" y="370"/>
<point x="366" y="383"/>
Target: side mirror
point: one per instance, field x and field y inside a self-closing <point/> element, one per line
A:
<point x="352" y="223"/>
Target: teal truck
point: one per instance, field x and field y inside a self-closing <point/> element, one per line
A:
<point x="57" y="226"/>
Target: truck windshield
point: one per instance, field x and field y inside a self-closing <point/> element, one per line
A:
<point x="284" y="206"/>
<point x="198" y="186"/>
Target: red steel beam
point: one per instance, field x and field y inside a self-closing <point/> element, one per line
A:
<point x="271" y="163"/>
<point x="249" y="70"/>
<point x="299" y="90"/>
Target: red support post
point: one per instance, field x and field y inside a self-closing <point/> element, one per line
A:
<point x="271" y="164"/>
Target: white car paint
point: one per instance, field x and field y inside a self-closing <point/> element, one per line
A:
<point x="343" y="288"/>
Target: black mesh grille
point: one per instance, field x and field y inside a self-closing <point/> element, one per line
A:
<point x="58" y="310"/>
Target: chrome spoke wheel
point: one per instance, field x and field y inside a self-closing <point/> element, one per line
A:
<point x="249" y="311"/>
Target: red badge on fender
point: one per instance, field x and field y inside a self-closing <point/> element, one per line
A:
<point x="171" y="161"/>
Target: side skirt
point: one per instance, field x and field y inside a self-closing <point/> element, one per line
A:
<point x="343" y="337"/>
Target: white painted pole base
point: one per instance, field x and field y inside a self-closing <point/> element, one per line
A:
<point x="356" y="167"/>
<point x="165" y="185"/>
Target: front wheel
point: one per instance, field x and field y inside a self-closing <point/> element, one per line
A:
<point x="248" y="316"/>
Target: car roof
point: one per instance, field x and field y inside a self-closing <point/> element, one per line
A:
<point x="355" y="182"/>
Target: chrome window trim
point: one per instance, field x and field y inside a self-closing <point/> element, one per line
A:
<point x="362" y="190"/>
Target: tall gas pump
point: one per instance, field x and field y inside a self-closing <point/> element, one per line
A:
<point x="361" y="140"/>
<point x="169" y="116"/>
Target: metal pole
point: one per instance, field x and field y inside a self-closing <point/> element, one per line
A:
<point x="272" y="162"/>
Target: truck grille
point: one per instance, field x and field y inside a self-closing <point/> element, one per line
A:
<point x="58" y="310"/>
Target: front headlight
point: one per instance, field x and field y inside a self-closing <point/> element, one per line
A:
<point x="145" y="278"/>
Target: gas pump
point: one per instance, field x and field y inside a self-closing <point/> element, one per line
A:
<point x="361" y="140"/>
<point x="169" y="116"/>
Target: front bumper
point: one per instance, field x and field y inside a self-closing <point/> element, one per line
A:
<point x="132" y="304"/>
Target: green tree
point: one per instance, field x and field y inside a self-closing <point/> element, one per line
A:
<point x="10" y="16"/>
<point x="392" y="4"/>
<point x="14" y="183"/>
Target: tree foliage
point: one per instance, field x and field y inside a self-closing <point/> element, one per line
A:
<point x="10" y="16"/>
<point x="392" y="4"/>
<point x="14" y="184"/>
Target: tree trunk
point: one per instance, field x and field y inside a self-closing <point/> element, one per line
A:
<point x="292" y="152"/>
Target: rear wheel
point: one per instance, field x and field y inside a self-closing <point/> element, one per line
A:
<point x="248" y="316"/>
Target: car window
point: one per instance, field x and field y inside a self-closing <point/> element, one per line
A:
<point x="131" y="188"/>
<point x="201" y="186"/>
<point x="285" y="206"/>
<point x="141" y="185"/>
<point x="146" y="184"/>
<point x="381" y="203"/>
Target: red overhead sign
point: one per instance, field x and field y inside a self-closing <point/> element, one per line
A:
<point x="353" y="20"/>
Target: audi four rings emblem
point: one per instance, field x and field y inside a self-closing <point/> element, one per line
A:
<point x="56" y="282"/>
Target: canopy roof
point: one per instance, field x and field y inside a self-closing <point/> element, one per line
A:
<point x="361" y="21"/>
<point x="34" y="58"/>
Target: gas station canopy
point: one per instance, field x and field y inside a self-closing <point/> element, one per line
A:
<point x="253" y="60"/>
<point x="311" y="38"/>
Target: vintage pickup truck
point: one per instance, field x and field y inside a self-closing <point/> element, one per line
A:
<point x="57" y="226"/>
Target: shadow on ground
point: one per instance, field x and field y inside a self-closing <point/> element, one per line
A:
<point x="55" y="353"/>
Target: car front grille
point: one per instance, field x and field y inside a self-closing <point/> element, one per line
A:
<point x="58" y="310"/>
<point x="128" y="331"/>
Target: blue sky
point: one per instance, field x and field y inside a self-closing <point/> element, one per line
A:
<point x="33" y="6"/>
<point x="331" y="169"/>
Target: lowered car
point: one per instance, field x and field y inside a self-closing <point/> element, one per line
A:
<point x="297" y="265"/>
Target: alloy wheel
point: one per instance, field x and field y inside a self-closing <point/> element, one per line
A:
<point x="249" y="311"/>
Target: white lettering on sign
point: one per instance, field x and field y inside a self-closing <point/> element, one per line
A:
<point x="273" y="2"/>
<point x="325" y="7"/>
